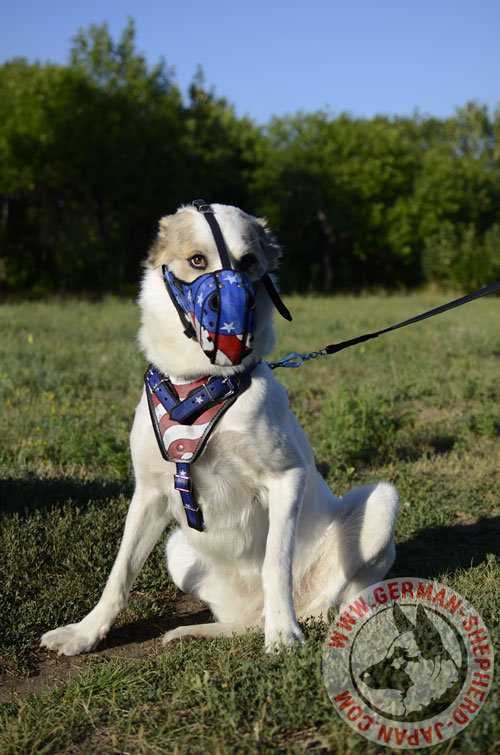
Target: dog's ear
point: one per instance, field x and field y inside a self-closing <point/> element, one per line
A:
<point x="157" y="252"/>
<point x="164" y="223"/>
<point x="269" y="244"/>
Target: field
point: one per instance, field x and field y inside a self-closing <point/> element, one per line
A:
<point x="419" y="408"/>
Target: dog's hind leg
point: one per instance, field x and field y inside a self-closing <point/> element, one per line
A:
<point x="357" y="551"/>
<point x="184" y="564"/>
<point x="236" y="607"/>
<point x="373" y="572"/>
<point x="208" y="631"/>
<point x="367" y="546"/>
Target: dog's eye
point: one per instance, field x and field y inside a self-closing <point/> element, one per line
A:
<point x="248" y="261"/>
<point x="198" y="261"/>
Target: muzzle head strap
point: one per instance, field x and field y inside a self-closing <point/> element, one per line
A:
<point x="209" y="214"/>
<point x="207" y="211"/>
<point x="275" y="297"/>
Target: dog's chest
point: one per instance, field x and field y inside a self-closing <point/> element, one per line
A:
<point x="233" y="505"/>
<point x="227" y="481"/>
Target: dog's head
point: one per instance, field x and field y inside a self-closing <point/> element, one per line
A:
<point x="185" y="252"/>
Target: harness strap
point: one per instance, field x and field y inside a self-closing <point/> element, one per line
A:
<point x="158" y="384"/>
<point x="199" y="400"/>
<point x="295" y="360"/>
<point x="183" y="483"/>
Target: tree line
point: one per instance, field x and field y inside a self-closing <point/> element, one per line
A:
<point x="93" y="153"/>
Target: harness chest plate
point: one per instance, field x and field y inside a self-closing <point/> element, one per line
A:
<point x="183" y="417"/>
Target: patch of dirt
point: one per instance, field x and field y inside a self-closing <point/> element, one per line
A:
<point x="431" y="414"/>
<point x="305" y="740"/>
<point x="142" y="639"/>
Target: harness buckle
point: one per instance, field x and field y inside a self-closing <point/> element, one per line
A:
<point x="160" y="382"/>
<point x="158" y="386"/>
<point x="231" y="386"/>
<point x="196" y="509"/>
<point x="203" y="207"/>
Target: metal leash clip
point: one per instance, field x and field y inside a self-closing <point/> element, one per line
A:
<point x="295" y="360"/>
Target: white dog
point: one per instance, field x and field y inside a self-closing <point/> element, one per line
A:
<point x="274" y="543"/>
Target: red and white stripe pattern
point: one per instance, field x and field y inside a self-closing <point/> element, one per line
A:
<point x="181" y="441"/>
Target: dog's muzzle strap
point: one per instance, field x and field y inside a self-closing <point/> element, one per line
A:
<point x="275" y="297"/>
<point x="189" y="330"/>
<point x="206" y="210"/>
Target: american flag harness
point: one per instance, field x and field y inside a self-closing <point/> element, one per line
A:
<point x="183" y="418"/>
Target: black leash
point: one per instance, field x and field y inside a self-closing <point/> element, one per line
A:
<point x="295" y="360"/>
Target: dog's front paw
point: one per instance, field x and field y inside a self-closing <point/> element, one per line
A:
<point x="73" y="639"/>
<point x="277" y="639"/>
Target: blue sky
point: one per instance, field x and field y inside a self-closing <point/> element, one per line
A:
<point x="276" y="57"/>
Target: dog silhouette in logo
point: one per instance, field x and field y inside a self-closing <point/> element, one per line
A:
<point x="419" y="667"/>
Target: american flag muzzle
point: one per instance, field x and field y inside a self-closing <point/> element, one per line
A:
<point x="221" y="309"/>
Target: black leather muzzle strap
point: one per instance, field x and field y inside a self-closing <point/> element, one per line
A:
<point x="275" y="297"/>
<point x="207" y="211"/>
<point x="209" y="214"/>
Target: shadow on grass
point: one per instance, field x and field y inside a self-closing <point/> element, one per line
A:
<point x="431" y="553"/>
<point x="150" y="629"/>
<point x="24" y="496"/>
<point x="447" y="548"/>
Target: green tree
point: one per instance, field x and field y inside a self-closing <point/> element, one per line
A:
<point x="329" y="186"/>
<point x="27" y="176"/>
<point x="454" y="206"/>
<point x="221" y="148"/>
<point x="91" y="159"/>
<point x="92" y="154"/>
<point x="125" y="149"/>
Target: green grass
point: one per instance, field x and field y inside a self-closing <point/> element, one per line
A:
<point x="419" y="407"/>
